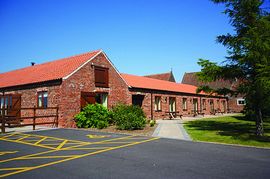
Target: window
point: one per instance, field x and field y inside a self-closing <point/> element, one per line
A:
<point x="101" y="77"/>
<point x="137" y="100"/>
<point x="102" y="98"/>
<point x="241" y="102"/>
<point x="184" y="104"/>
<point x="6" y="103"/>
<point x="43" y="99"/>
<point x="157" y="103"/>
<point x="172" y="104"/>
<point x="204" y="104"/>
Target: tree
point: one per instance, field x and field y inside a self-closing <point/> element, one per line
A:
<point x="248" y="58"/>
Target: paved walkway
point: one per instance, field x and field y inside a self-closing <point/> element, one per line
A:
<point x="172" y="129"/>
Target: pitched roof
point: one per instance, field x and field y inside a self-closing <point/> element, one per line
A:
<point x="155" y="84"/>
<point x="192" y="79"/>
<point x="163" y="76"/>
<point x="53" y="70"/>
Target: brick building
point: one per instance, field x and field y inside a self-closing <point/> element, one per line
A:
<point x="235" y="103"/>
<point x="163" y="76"/>
<point x="70" y="83"/>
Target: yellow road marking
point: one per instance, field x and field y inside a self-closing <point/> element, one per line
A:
<point x="25" y="156"/>
<point x="8" y="152"/>
<point x="113" y="142"/>
<point x="27" y="143"/>
<point x="91" y="136"/>
<point x="17" y="168"/>
<point x="22" y="138"/>
<point x="52" y="156"/>
<point x="76" y="157"/>
<point x="86" y="148"/>
<point x="62" y="144"/>
<point x="44" y="138"/>
<point x="5" y="136"/>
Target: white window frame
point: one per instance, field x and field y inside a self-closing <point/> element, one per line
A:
<point x="241" y="99"/>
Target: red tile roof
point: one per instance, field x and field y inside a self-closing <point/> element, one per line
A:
<point x="163" y="76"/>
<point x="45" y="72"/>
<point x="155" y="84"/>
<point x="192" y="79"/>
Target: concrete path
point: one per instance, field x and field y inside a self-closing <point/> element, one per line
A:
<point x="27" y="129"/>
<point x="172" y="129"/>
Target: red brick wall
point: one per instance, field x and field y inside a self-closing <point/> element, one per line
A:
<point x="83" y="80"/>
<point x="146" y="106"/>
<point x="233" y="106"/>
<point x="29" y="100"/>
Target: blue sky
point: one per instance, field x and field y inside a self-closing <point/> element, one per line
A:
<point x="139" y="36"/>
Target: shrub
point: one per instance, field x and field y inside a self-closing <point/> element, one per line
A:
<point x="94" y="116"/>
<point x="128" y="117"/>
<point x="152" y="123"/>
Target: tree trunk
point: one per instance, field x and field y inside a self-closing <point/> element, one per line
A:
<point x="259" y="123"/>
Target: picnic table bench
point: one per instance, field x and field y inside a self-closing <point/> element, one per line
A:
<point x="172" y="114"/>
<point x="197" y="112"/>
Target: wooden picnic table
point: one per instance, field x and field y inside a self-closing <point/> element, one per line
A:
<point x="173" y="114"/>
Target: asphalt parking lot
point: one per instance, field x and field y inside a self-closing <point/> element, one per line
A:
<point x="72" y="153"/>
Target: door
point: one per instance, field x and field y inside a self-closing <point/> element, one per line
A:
<point x="172" y="104"/>
<point x="87" y="98"/>
<point x="15" y="106"/>
<point x="137" y="100"/>
<point x="212" y="106"/>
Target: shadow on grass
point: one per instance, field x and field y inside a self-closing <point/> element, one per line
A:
<point x="243" y="131"/>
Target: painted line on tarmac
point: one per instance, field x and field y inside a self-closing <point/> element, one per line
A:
<point x="20" y="170"/>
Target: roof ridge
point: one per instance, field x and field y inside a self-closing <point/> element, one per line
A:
<point x="52" y="61"/>
<point x="158" y="73"/>
<point x="154" y="79"/>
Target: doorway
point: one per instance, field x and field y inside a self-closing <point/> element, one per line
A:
<point x="137" y="100"/>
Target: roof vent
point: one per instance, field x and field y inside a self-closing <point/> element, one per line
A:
<point x="33" y="63"/>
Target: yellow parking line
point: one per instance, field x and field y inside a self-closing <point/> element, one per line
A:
<point x="5" y="136"/>
<point x="7" y="152"/>
<point x="27" y="143"/>
<point x="79" y="156"/>
<point x="49" y="157"/>
<point x="25" y="156"/>
<point x="44" y="138"/>
<point x="22" y="138"/>
<point x="17" y="168"/>
<point x="86" y="148"/>
<point x="74" y="147"/>
<point x="113" y="142"/>
<point x="119" y="138"/>
<point x="62" y="144"/>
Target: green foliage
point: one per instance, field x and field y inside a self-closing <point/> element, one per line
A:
<point x="152" y="123"/>
<point x="248" y="58"/>
<point x="128" y="117"/>
<point x="93" y="116"/>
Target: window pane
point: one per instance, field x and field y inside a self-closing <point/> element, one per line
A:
<point x="45" y="99"/>
<point x="40" y="100"/>
<point x="105" y="100"/>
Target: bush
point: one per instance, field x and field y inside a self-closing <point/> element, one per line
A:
<point x="128" y="117"/>
<point x="94" y="116"/>
<point x="152" y="123"/>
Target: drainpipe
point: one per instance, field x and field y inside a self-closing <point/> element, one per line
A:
<point x="151" y="105"/>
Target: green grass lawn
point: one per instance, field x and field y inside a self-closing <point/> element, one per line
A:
<point x="229" y="130"/>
